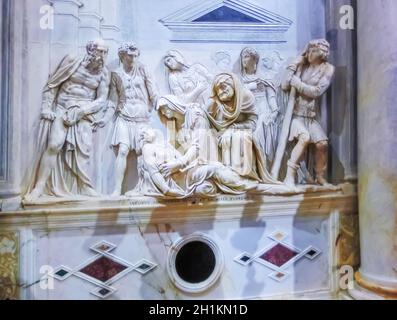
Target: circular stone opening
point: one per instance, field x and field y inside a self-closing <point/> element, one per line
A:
<point x="195" y="262"/>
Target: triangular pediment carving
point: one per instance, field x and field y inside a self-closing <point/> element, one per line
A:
<point x="208" y="21"/>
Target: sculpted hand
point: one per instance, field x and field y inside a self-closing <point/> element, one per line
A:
<point x="167" y="169"/>
<point x="202" y="86"/>
<point x="99" y="124"/>
<point x="80" y="114"/>
<point x="71" y="119"/>
<point x="296" y="82"/>
<point x="261" y="86"/>
<point x="273" y="116"/>
<point x="226" y="138"/>
<point x="48" y="115"/>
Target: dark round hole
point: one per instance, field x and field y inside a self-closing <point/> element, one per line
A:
<point x="195" y="262"/>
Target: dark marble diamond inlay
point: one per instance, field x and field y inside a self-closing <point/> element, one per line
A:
<point x="311" y="253"/>
<point x="245" y="258"/>
<point x="61" y="273"/>
<point x="103" y="292"/>
<point x="103" y="247"/>
<point x="103" y="269"/>
<point x="144" y="266"/>
<point x="195" y="262"/>
<point x="278" y="255"/>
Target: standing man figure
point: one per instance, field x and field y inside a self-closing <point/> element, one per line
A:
<point x="312" y="80"/>
<point x="74" y="94"/>
<point x="133" y="94"/>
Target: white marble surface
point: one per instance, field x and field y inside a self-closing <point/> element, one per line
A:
<point x="60" y="236"/>
<point x="70" y="248"/>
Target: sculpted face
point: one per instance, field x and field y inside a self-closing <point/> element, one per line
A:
<point x="169" y="114"/>
<point x="225" y="92"/>
<point x="315" y="55"/>
<point x="171" y="63"/>
<point x="247" y="60"/>
<point x="99" y="55"/>
<point x="129" y="58"/>
<point x="268" y="63"/>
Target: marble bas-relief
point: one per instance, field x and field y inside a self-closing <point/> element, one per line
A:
<point x="265" y="93"/>
<point x="271" y="66"/>
<point x="155" y="152"/>
<point x="232" y="113"/>
<point x="222" y="60"/>
<point x="203" y="177"/>
<point x="132" y="95"/>
<point x="225" y="134"/>
<point x="187" y="83"/>
<point x="309" y="76"/>
<point x="75" y="93"/>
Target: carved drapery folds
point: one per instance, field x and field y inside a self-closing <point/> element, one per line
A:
<point x="225" y="132"/>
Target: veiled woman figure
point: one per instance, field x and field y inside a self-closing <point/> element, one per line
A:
<point x="232" y="112"/>
<point x="265" y="94"/>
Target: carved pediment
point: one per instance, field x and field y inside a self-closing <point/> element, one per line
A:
<point x="226" y="20"/>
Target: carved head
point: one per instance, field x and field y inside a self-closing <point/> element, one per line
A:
<point x="97" y="51"/>
<point x="224" y="87"/>
<point x="167" y="112"/>
<point x="128" y="52"/>
<point x="272" y="60"/>
<point x="317" y="51"/>
<point x="222" y="59"/>
<point x="174" y="60"/>
<point x="97" y="47"/>
<point x="249" y="59"/>
<point x="147" y="135"/>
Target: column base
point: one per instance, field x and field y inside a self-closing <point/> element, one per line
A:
<point x="364" y="290"/>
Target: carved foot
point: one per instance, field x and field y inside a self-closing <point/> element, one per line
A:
<point x="290" y="177"/>
<point x="175" y="193"/>
<point x="116" y="194"/>
<point x="89" y="192"/>
<point x="323" y="182"/>
<point x="34" y="195"/>
<point x="132" y="194"/>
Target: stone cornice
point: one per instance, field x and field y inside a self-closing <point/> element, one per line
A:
<point x="136" y="211"/>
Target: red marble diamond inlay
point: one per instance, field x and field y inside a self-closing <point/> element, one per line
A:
<point x="278" y="255"/>
<point x="103" y="269"/>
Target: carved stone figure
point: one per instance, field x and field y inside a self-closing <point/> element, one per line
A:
<point x="187" y="84"/>
<point x="222" y="60"/>
<point x="155" y="152"/>
<point x="133" y="94"/>
<point x="272" y="64"/>
<point x="266" y="103"/>
<point x="203" y="177"/>
<point x="232" y="113"/>
<point x="73" y="96"/>
<point x="309" y="77"/>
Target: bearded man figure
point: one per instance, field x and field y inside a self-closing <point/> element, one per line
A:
<point x="74" y="94"/>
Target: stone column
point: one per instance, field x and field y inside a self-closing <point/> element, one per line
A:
<point x="377" y="150"/>
<point x="90" y="23"/>
<point x="66" y="24"/>
<point x="110" y="28"/>
<point x="342" y="96"/>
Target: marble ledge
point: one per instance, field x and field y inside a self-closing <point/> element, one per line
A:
<point x="144" y="210"/>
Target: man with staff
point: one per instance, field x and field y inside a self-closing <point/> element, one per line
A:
<point x="307" y="79"/>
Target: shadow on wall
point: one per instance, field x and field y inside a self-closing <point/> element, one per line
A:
<point x="335" y="233"/>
